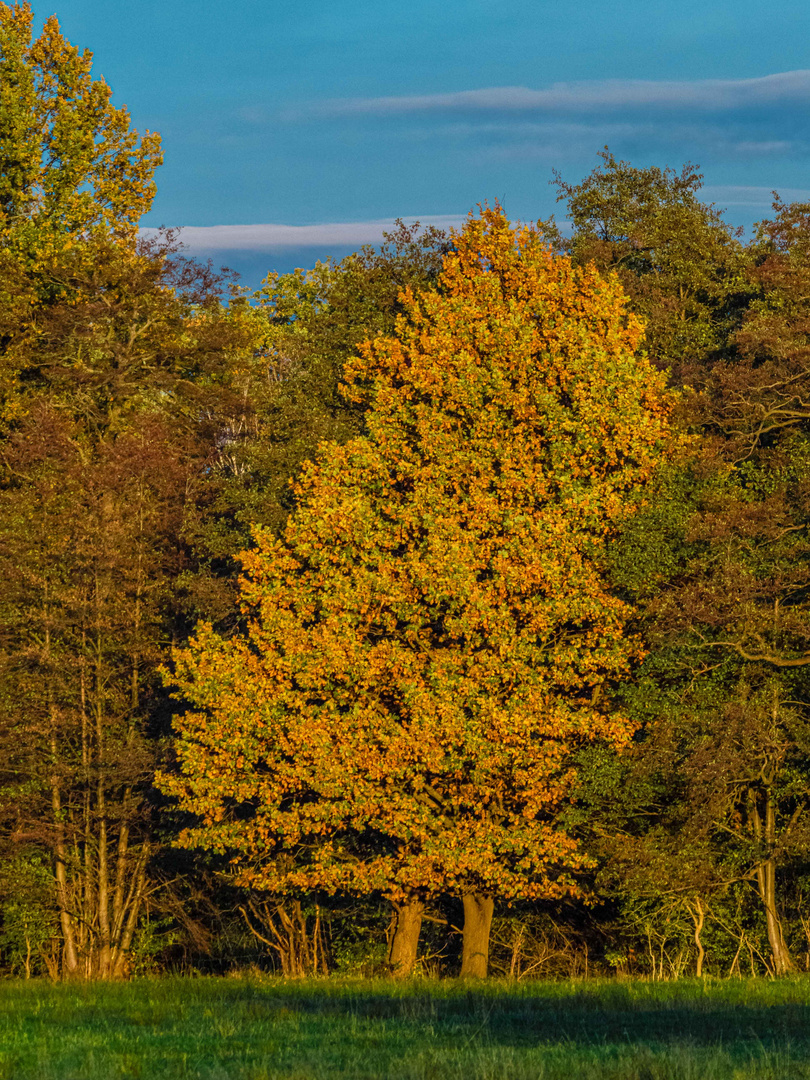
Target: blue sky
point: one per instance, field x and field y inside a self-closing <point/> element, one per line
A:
<point x="311" y="125"/>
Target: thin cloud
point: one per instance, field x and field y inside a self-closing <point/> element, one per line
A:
<point x="209" y="238"/>
<point x="557" y="139"/>
<point x="742" y="195"/>
<point x="608" y="94"/>
<point x="764" y="148"/>
<point x="526" y="128"/>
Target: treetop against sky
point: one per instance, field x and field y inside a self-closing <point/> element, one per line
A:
<point x="320" y="115"/>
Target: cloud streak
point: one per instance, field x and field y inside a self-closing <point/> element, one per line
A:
<point x="208" y="239"/>
<point x="706" y="95"/>
<point x="742" y="195"/>
<point x="271" y="237"/>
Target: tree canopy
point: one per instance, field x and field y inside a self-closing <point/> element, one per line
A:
<point x="69" y="161"/>
<point x="428" y="640"/>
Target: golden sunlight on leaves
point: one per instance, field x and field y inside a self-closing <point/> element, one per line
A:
<point x="427" y="639"/>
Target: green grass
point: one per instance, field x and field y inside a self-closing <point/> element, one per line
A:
<point x="243" y="1029"/>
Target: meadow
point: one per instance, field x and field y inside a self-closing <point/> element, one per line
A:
<point x="274" y="1029"/>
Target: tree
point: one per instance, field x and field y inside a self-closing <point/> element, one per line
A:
<point x="682" y="266"/>
<point x="716" y="792"/>
<point x="758" y="393"/>
<point x="69" y="162"/>
<point x="94" y="480"/>
<point x="428" y="641"/>
<point x="71" y="167"/>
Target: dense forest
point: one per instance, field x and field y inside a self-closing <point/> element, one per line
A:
<point x="445" y="608"/>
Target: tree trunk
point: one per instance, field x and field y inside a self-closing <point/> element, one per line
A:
<point x="765" y="832"/>
<point x="403" y="946"/>
<point x="478" y="911"/>
<point x="766" y="882"/>
<point x="120" y="957"/>
<point x="70" y="960"/>
<point x="698" y="918"/>
<point x="121" y="866"/>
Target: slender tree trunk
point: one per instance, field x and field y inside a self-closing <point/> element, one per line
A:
<point x="404" y="939"/>
<point x="766" y="882"/>
<point x="698" y="918"/>
<point x="120" y="958"/>
<point x="121" y="864"/>
<point x="124" y="904"/>
<point x="103" y="884"/>
<point x="70" y="959"/>
<point x="104" y="937"/>
<point x="478" y="912"/>
<point x="88" y="867"/>
<point x="765" y="832"/>
<point x="119" y="906"/>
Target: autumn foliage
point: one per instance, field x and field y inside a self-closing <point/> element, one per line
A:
<point x="501" y="557"/>
<point x="70" y="163"/>
<point x="428" y="641"/>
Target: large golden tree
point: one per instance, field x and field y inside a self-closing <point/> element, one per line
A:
<point x="428" y="641"/>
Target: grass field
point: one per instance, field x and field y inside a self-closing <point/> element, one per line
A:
<point x="241" y="1029"/>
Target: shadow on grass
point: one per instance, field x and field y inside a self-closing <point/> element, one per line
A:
<point x="699" y="1014"/>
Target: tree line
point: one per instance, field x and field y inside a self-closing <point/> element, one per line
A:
<point x="444" y="606"/>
